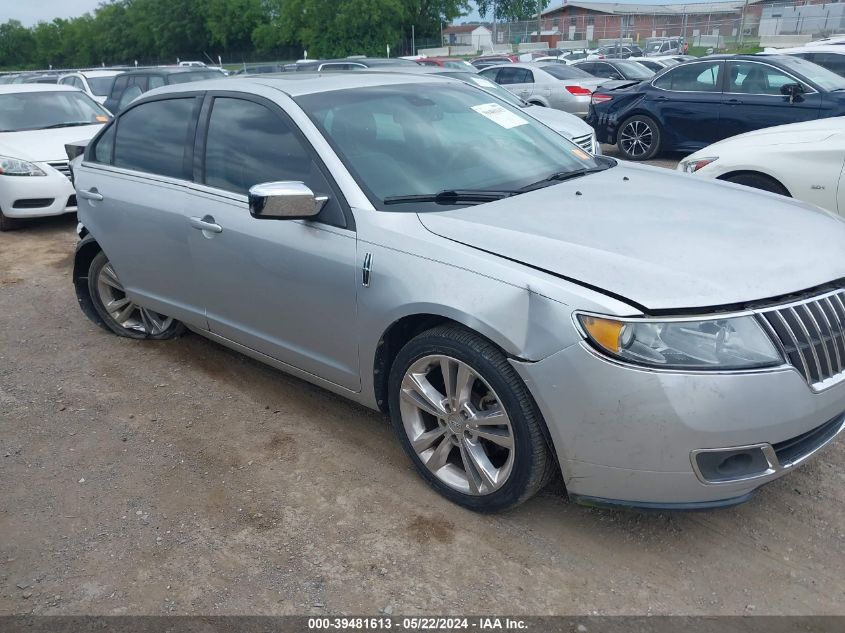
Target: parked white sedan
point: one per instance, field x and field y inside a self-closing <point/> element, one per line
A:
<point x="97" y="84"/>
<point x="801" y="160"/>
<point x="36" y="120"/>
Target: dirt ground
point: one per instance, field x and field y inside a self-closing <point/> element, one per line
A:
<point x="182" y="478"/>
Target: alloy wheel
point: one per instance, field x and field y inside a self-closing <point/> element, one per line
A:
<point x="457" y="425"/>
<point x="123" y="310"/>
<point x="636" y="138"/>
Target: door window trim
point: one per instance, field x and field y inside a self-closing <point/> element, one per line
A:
<point x="803" y="82"/>
<point x="201" y="140"/>
<point x="190" y="139"/>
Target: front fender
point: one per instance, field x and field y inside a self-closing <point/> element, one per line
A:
<point x="86" y="249"/>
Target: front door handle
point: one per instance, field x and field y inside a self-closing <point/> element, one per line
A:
<point x="661" y="98"/>
<point x="733" y="102"/>
<point x="206" y="223"/>
<point x="90" y="194"/>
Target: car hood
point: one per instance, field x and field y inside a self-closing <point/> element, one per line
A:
<point x="44" y="145"/>
<point x="567" y="124"/>
<point x="659" y="239"/>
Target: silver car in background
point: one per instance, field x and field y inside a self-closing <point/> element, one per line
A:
<point x="567" y="125"/>
<point x="516" y="305"/>
<point x="551" y="85"/>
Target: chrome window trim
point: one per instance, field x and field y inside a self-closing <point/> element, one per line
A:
<point x="763" y="94"/>
<point x="687" y="65"/>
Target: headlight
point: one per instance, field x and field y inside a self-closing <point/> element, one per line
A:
<point x="692" y="166"/>
<point x="17" y="167"/>
<point x="728" y="343"/>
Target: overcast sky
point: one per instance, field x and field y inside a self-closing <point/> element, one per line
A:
<point x="31" y="11"/>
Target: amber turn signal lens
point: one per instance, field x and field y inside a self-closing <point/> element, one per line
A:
<point x="603" y="332"/>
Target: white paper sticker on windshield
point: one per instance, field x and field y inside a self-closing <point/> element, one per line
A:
<point x="499" y="115"/>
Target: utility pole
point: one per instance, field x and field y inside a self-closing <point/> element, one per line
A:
<point x="413" y="41"/>
<point x="539" y="21"/>
<point x="495" y="39"/>
<point x="741" y="25"/>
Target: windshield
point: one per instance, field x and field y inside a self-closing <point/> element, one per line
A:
<point x="634" y="70"/>
<point x="490" y="86"/>
<point x="40" y="110"/>
<point x="562" y="71"/>
<point x="100" y="86"/>
<point x="398" y="142"/>
<point x="824" y="78"/>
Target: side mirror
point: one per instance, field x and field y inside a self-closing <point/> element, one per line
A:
<point x="288" y="200"/>
<point x="793" y="91"/>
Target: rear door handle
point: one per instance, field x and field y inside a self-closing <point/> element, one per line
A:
<point x="661" y="98"/>
<point x="90" y="194"/>
<point x="206" y="223"/>
<point x="733" y="102"/>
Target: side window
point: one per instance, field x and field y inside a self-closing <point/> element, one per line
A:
<point x="512" y="76"/>
<point x="131" y="93"/>
<point x="119" y="86"/>
<point x="156" y="81"/>
<point x="603" y="70"/>
<point x="758" y="79"/>
<point x="102" y="151"/>
<point x="833" y="62"/>
<point x="587" y="67"/>
<point x="248" y="144"/>
<point x="692" y="78"/>
<point x="491" y="74"/>
<point x="525" y="76"/>
<point x="152" y="137"/>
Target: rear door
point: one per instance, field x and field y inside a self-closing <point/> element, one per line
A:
<point x="134" y="199"/>
<point x="519" y="81"/>
<point x="753" y="100"/>
<point x="686" y="101"/>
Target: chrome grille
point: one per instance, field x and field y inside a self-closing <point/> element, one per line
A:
<point x="584" y="142"/>
<point x="61" y="166"/>
<point x="812" y="334"/>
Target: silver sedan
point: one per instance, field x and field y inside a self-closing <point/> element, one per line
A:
<point x="552" y="85"/>
<point x="514" y="304"/>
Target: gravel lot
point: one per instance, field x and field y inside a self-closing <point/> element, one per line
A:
<point x="179" y="477"/>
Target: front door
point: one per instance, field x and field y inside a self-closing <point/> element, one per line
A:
<point x="285" y="288"/>
<point x="753" y="100"/>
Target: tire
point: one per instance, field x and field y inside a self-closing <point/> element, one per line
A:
<point x="8" y="224"/>
<point x="758" y="181"/>
<point x="453" y="427"/>
<point x="639" y="138"/>
<point x="121" y="315"/>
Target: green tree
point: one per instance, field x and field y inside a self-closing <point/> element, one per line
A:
<point x="511" y="10"/>
<point x="16" y="45"/>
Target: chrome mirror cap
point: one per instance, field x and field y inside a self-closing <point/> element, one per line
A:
<point x="285" y="200"/>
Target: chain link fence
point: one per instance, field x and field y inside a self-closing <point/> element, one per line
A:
<point x="718" y="25"/>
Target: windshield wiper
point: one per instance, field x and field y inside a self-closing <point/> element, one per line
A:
<point x="70" y="124"/>
<point x="454" y="196"/>
<point x="562" y="176"/>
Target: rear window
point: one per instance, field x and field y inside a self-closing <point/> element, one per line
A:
<point x="183" y="78"/>
<point x="562" y="71"/>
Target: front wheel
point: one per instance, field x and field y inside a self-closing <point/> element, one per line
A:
<point x="639" y="138"/>
<point x="7" y="223"/>
<point x="120" y="314"/>
<point x="467" y="421"/>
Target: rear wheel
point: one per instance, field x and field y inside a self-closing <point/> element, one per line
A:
<point x="639" y="138"/>
<point x="467" y="421"/>
<point x="119" y="312"/>
<point x="758" y="181"/>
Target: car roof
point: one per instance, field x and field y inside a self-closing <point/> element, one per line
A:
<point x="16" y="88"/>
<point x="169" y="70"/>
<point x="303" y="83"/>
